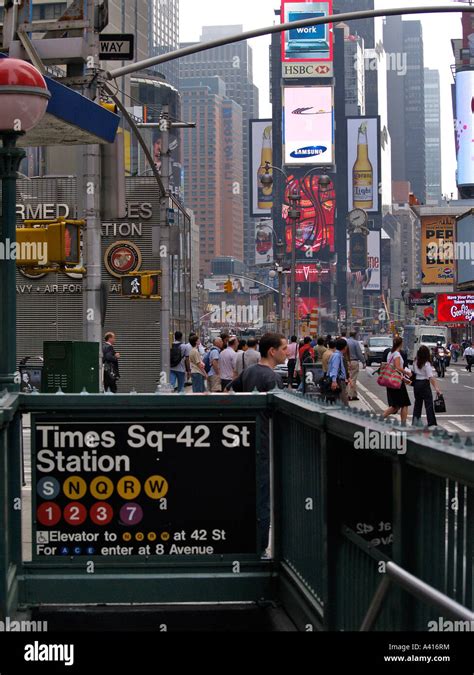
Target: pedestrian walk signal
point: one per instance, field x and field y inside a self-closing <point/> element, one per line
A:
<point x="141" y="285"/>
<point x="228" y="287"/>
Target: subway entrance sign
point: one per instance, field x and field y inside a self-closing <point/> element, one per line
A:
<point x="147" y="489"/>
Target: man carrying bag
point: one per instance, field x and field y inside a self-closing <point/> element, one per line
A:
<point x="110" y="362"/>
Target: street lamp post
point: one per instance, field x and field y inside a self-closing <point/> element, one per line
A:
<point x="294" y="215"/>
<point x="319" y="268"/>
<point x="23" y="101"/>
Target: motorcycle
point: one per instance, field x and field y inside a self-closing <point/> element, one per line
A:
<point x="439" y="362"/>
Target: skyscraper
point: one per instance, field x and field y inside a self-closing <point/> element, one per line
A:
<point x="354" y="76"/>
<point x="234" y="64"/>
<point x="406" y="104"/>
<point x="163" y="35"/>
<point x="213" y="167"/>
<point x="433" y="135"/>
<point x="362" y="27"/>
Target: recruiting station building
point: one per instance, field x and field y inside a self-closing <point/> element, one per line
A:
<point x="50" y="306"/>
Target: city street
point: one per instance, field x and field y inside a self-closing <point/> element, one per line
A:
<point x="201" y="206"/>
<point x="457" y="388"/>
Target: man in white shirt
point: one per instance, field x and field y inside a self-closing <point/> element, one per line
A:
<point x="469" y="356"/>
<point x="248" y="358"/>
<point x="227" y="361"/>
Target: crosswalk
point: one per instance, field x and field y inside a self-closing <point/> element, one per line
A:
<point x="454" y="424"/>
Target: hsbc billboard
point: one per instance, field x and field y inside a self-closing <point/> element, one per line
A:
<point x="300" y="70"/>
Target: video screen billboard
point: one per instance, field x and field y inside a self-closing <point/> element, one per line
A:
<point x="437" y="246"/>
<point x="261" y="197"/>
<point x="465" y="246"/>
<point x="457" y="308"/>
<point x="307" y="51"/>
<point x="465" y="127"/>
<point x="308" y="126"/>
<point x="309" y="43"/>
<point x="363" y="150"/>
<point x="315" y="228"/>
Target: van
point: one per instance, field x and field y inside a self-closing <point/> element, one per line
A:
<point x="415" y="336"/>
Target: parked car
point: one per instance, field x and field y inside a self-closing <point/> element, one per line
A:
<point x="375" y="347"/>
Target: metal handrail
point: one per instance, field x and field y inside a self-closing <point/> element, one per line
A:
<point x="415" y="587"/>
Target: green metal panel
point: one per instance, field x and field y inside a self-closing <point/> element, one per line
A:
<point x="10" y="505"/>
<point x="72" y="366"/>
<point x="175" y="581"/>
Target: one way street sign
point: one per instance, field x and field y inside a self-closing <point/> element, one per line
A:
<point x="116" y="47"/>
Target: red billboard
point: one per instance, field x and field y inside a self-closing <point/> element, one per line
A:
<point x="451" y="308"/>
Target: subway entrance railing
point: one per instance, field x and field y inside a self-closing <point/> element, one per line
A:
<point x="160" y="499"/>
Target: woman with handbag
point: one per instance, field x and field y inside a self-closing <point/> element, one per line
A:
<point x="398" y="399"/>
<point x="424" y="380"/>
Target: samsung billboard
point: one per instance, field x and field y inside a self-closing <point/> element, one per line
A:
<point x="308" y="126"/>
<point x="465" y="127"/>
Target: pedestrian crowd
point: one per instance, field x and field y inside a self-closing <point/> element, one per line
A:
<point x="331" y="363"/>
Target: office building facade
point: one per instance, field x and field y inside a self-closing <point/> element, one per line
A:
<point x="406" y="104"/>
<point x="234" y="65"/>
<point x="213" y="171"/>
<point x="163" y="36"/>
<point x="433" y="136"/>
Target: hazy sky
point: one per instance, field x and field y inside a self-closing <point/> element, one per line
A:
<point x="438" y="31"/>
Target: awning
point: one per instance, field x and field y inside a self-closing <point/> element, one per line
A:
<point x="71" y="119"/>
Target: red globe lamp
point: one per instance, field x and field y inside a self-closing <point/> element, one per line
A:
<point x="24" y="96"/>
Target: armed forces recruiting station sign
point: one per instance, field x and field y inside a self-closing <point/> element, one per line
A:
<point x="143" y="488"/>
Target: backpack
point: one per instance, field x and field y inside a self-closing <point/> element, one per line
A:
<point x="207" y="359"/>
<point x="175" y="355"/>
<point x="307" y="358"/>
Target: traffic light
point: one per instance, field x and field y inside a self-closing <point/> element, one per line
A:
<point x="53" y="242"/>
<point x="63" y="243"/>
<point x="141" y="285"/>
<point x="111" y="107"/>
<point x="150" y="285"/>
<point x="228" y="287"/>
